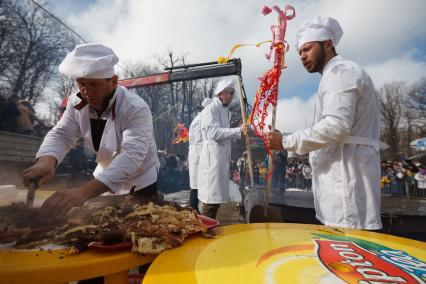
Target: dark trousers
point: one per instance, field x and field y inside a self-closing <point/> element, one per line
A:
<point x="146" y="194"/>
<point x="210" y="210"/>
<point x="193" y="199"/>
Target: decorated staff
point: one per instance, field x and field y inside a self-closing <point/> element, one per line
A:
<point x="267" y="93"/>
<point x="243" y="101"/>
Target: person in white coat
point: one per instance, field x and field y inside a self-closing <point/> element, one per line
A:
<point x="343" y="141"/>
<point x="213" y="171"/>
<point x="195" y="144"/>
<point x="113" y="122"/>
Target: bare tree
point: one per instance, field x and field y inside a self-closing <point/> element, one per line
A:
<point x="391" y="112"/>
<point x="415" y="103"/>
<point x="65" y="86"/>
<point x="34" y="49"/>
<point x="173" y="103"/>
<point x="7" y="29"/>
<point x="208" y="88"/>
<point x="157" y="97"/>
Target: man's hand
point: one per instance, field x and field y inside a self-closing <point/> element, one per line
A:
<point x="275" y="140"/>
<point x="61" y="202"/>
<point x="43" y="170"/>
<point x="244" y="129"/>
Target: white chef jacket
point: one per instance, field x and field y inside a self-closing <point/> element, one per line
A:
<point x="344" y="147"/>
<point x="127" y="155"/>
<point x="213" y="170"/>
<point x="195" y="144"/>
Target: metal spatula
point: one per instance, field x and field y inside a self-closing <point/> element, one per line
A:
<point x="32" y="186"/>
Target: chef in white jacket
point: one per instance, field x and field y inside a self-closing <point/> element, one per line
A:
<point x="343" y="141"/>
<point x="114" y="122"/>
<point x="195" y="144"/>
<point x="213" y="171"/>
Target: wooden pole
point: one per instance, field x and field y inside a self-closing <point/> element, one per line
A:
<point x="274" y="114"/>
<point x="247" y="142"/>
<point x="270" y="165"/>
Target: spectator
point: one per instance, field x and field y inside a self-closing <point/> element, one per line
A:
<point x="242" y="165"/>
<point x="279" y="169"/>
<point x="24" y="122"/>
<point x="383" y="168"/>
<point x="421" y="178"/>
<point x="235" y="176"/>
<point x="171" y="173"/>
<point x="256" y="173"/>
<point x="263" y="171"/>
<point x="307" y="174"/>
<point x="290" y="175"/>
<point x="398" y="178"/>
<point x="162" y="157"/>
<point x="8" y="113"/>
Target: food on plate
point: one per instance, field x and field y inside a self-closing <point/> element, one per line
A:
<point x="149" y="227"/>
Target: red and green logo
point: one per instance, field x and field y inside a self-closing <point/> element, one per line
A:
<point x="353" y="264"/>
<point x="355" y="260"/>
<point x="359" y="261"/>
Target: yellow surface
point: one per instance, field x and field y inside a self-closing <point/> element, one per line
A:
<point x="263" y="253"/>
<point x="57" y="266"/>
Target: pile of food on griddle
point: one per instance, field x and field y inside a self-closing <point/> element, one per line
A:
<point x="149" y="227"/>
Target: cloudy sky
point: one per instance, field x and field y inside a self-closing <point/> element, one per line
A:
<point x="386" y="37"/>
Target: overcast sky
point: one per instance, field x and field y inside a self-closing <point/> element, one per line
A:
<point x="386" y="37"/>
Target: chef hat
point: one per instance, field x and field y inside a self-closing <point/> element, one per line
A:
<point x="319" y="29"/>
<point x="89" y="60"/>
<point x="225" y="83"/>
<point x="206" y="102"/>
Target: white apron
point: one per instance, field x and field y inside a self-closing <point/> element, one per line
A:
<point x="213" y="171"/>
<point x="127" y="155"/>
<point x="195" y="145"/>
<point x="344" y="148"/>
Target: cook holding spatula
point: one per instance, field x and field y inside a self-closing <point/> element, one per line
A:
<point x="113" y="122"/>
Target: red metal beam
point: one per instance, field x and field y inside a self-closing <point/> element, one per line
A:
<point x="145" y="81"/>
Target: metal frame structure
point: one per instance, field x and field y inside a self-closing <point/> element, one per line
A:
<point x="186" y="73"/>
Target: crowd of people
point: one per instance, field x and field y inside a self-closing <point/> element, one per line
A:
<point x="285" y="174"/>
<point x="406" y="177"/>
<point x="173" y="172"/>
<point x="19" y="116"/>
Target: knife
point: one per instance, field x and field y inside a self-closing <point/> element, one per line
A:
<point x="32" y="186"/>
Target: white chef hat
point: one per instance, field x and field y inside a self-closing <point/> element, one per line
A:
<point x="206" y="102"/>
<point x="222" y="85"/>
<point x="319" y="28"/>
<point x="89" y="60"/>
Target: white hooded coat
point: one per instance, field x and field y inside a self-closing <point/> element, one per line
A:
<point x="213" y="171"/>
<point x="344" y="148"/>
<point x="195" y="144"/>
<point x="127" y="154"/>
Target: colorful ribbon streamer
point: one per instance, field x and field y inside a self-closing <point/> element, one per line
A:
<point x="267" y="93"/>
<point x="182" y="134"/>
<point x="222" y="59"/>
